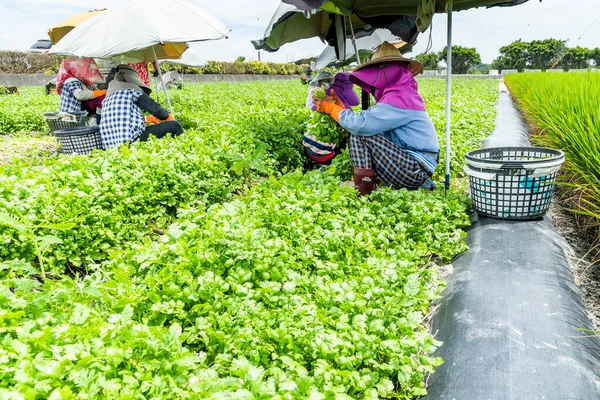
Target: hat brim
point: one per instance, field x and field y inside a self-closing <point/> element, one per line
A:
<point x="135" y="79"/>
<point x="131" y="76"/>
<point x="146" y="89"/>
<point x="393" y="59"/>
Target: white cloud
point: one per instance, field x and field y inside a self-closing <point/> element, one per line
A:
<point x="25" y="21"/>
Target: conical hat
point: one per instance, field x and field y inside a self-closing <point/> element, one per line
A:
<point x="387" y="53"/>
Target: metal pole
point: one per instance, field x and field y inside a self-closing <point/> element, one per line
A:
<point x="162" y="82"/>
<point x="448" y="93"/>
<point x="365" y="97"/>
<point x="353" y="40"/>
<point x="156" y="88"/>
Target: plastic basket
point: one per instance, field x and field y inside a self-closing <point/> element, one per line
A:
<point x="513" y="182"/>
<point x="57" y="121"/>
<point x="81" y="140"/>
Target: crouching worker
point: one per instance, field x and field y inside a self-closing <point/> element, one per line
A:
<point x="395" y="139"/>
<point x="76" y="83"/>
<point x="123" y="120"/>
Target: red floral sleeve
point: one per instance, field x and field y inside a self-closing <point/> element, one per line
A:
<point x="142" y="70"/>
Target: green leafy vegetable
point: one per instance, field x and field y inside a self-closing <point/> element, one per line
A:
<point x="324" y="129"/>
<point x="207" y="266"/>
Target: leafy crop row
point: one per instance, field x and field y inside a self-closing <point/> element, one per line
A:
<point x="299" y="289"/>
<point x="267" y="114"/>
<point x="25" y="112"/>
<point x="113" y="198"/>
<point x="285" y="287"/>
<point x="117" y="197"/>
<point x="240" y="131"/>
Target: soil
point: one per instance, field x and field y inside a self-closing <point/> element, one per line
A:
<point x="587" y="274"/>
<point x="32" y="146"/>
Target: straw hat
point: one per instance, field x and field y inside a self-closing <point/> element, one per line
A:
<point x="387" y="53"/>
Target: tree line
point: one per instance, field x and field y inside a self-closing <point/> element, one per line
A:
<point x="518" y="55"/>
<point x="18" y="62"/>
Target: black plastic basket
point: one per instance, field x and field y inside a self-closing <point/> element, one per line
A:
<point x="513" y="182"/>
<point x="57" y="123"/>
<point x="81" y="140"/>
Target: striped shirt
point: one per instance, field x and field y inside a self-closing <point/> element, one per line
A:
<point x="122" y="119"/>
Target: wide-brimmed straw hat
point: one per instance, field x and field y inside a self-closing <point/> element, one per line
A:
<point x="387" y="53"/>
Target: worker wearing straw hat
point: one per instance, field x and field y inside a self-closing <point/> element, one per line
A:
<point x="395" y="139"/>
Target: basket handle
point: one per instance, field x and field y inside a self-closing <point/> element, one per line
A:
<point x="512" y="166"/>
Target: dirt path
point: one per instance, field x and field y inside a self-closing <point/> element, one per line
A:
<point x="26" y="146"/>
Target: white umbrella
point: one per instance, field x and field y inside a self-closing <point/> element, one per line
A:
<point x="142" y="30"/>
<point x="189" y="58"/>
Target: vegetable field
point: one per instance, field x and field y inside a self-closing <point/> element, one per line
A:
<point x="566" y="109"/>
<point x="210" y="266"/>
<point x="25" y="113"/>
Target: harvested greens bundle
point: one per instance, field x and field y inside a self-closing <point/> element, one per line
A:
<point x="324" y="128"/>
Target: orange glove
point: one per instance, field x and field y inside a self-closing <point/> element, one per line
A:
<point x="329" y="107"/>
<point x="170" y="118"/>
<point x="98" y="93"/>
<point x="151" y="119"/>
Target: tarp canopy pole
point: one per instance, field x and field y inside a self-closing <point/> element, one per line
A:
<point x="156" y="88"/>
<point x="365" y="98"/>
<point x="354" y="41"/>
<point x="448" y="93"/>
<point x="162" y="82"/>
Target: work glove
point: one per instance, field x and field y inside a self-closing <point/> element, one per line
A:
<point x="330" y="107"/>
<point x="151" y="119"/>
<point x="170" y="118"/>
<point x="98" y="93"/>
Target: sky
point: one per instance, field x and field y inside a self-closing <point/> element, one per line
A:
<point x="25" y="21"/>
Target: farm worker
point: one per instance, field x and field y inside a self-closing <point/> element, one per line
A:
<point x="306" y="78"/>
<point x="172" y="79"/>
<point x="122" y="113"/>
<point x="394" y="139"/>
<point x="323" y="80"/>
<point x="320" y="153"/>
<point x="76" y="84"/>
